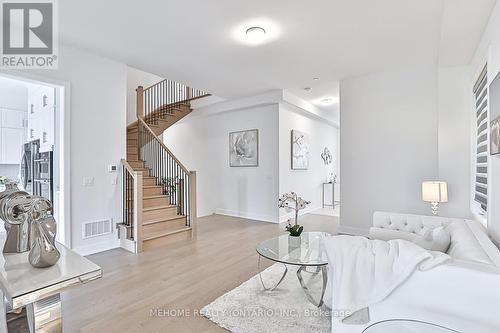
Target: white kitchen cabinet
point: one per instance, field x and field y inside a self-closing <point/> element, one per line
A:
<point x="12" y="118"/>
<point x="13" y="134"/>
<point x="41" y="118"/>
<point x="11" y="148"/>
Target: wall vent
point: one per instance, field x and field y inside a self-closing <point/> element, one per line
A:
<point x="96" y="228"/>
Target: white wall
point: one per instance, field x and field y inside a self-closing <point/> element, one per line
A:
<point x="306" y="183"/>
<point x="454" y="142"/>
<point x="388" y="143"/>
<point x="135" y="78"/>
<point x="489" y="51"/>
<point x="201" y="142"/>
<point x="11" y="171"/>
<point x="97" y="104"/>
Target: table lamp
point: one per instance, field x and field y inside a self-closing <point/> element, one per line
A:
<point x="434" y="192"/>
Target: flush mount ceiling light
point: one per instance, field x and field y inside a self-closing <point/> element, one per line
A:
<point x="307" y="88"/>
<point x="315" y="78"/>
<point x="328" y="101"/>
<point x="256" y="34"/>
<point x="256" y="31"/>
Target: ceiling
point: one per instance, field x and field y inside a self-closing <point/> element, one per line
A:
<point x="192" y="41"/>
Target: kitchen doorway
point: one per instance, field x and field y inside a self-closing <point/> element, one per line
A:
<point x="32" y="143"/>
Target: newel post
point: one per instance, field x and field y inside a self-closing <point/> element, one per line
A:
<point x="192" y="205"/>
<point x="138" y="234"/>
<point x="140" y="102"/>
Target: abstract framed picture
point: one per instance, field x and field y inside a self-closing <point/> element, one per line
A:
<point x="244" y="148"/>
<point x="300" y="150"/>
<point x="495" y="136"/>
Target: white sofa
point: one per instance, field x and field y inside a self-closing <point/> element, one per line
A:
<point x="463" y="294"/>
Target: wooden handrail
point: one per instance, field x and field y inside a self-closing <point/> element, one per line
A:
<point x="129" y="168"/>
<point x="163" y="145"/>
<point x="155" y="84"/>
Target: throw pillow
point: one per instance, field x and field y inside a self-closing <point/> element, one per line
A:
<point x="434" y="239"/>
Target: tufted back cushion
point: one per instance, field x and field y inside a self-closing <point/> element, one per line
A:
<point x="414" y="224"/>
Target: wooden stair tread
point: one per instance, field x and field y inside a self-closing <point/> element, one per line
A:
<point x="166" y="219"/>
<point x="151" y="186"/>
<point x="155" y="196"/>
<point x="158" y="207"/>
<point x="164" y="234"/>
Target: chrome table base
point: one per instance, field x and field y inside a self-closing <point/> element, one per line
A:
<point x="302" y="269"/>
<point x="306" y="289"/>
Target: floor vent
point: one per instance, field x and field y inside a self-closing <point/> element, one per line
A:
<point x="96" y="228"/>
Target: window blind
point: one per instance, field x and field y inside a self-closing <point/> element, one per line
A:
<point x="481" y="99"/>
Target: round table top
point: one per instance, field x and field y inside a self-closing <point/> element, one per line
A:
<point x="288" y="250"/>
<point x="406" y="326"/>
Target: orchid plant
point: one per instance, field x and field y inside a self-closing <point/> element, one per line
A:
<point x="291" y="201"/>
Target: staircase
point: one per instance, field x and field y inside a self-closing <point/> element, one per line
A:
<point x="159" y="192"/>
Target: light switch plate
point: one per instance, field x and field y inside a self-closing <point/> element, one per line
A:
<point x="112" y="168"/>
<point x="88" y="181"/>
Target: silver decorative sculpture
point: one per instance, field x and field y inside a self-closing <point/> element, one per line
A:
<point x="29" y="226"/>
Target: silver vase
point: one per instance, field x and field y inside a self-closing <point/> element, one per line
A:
<point x="29" y="227"/>
<point x="43" y="252"/>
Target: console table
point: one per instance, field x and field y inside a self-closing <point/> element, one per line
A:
<point x="333" y="194"/>
<point x="38" y="289"/>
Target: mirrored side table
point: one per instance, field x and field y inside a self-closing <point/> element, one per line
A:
<point x="37" y="290"/>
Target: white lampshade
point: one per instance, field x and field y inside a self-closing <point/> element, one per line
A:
<point x="434" y="191"/>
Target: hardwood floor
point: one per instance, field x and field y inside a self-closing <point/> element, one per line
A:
<point x="185" y="276"/>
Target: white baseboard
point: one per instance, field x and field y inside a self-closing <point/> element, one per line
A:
<point x="97" y="247"/>
<point x="128" y="245"/>
<point x="246" y="215"/>
<point x="343" y="229"/>
<point x="285" y="217"/>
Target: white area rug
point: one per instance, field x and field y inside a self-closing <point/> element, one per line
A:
<point x="250" y="309"/>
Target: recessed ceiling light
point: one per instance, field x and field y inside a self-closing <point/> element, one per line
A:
<point x="307" y="88"/>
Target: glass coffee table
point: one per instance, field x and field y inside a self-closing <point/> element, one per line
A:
<point x="406" y="326"/>
<point x="305" y="252"/>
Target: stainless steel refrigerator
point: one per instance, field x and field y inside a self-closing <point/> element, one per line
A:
<point x="37" y="174"/>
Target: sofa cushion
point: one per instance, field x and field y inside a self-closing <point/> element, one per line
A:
<point x="408" y="222"/>
<point x="388" y="234"/>
<point x="434" y="239"/>
<point x="464" y="245"/>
